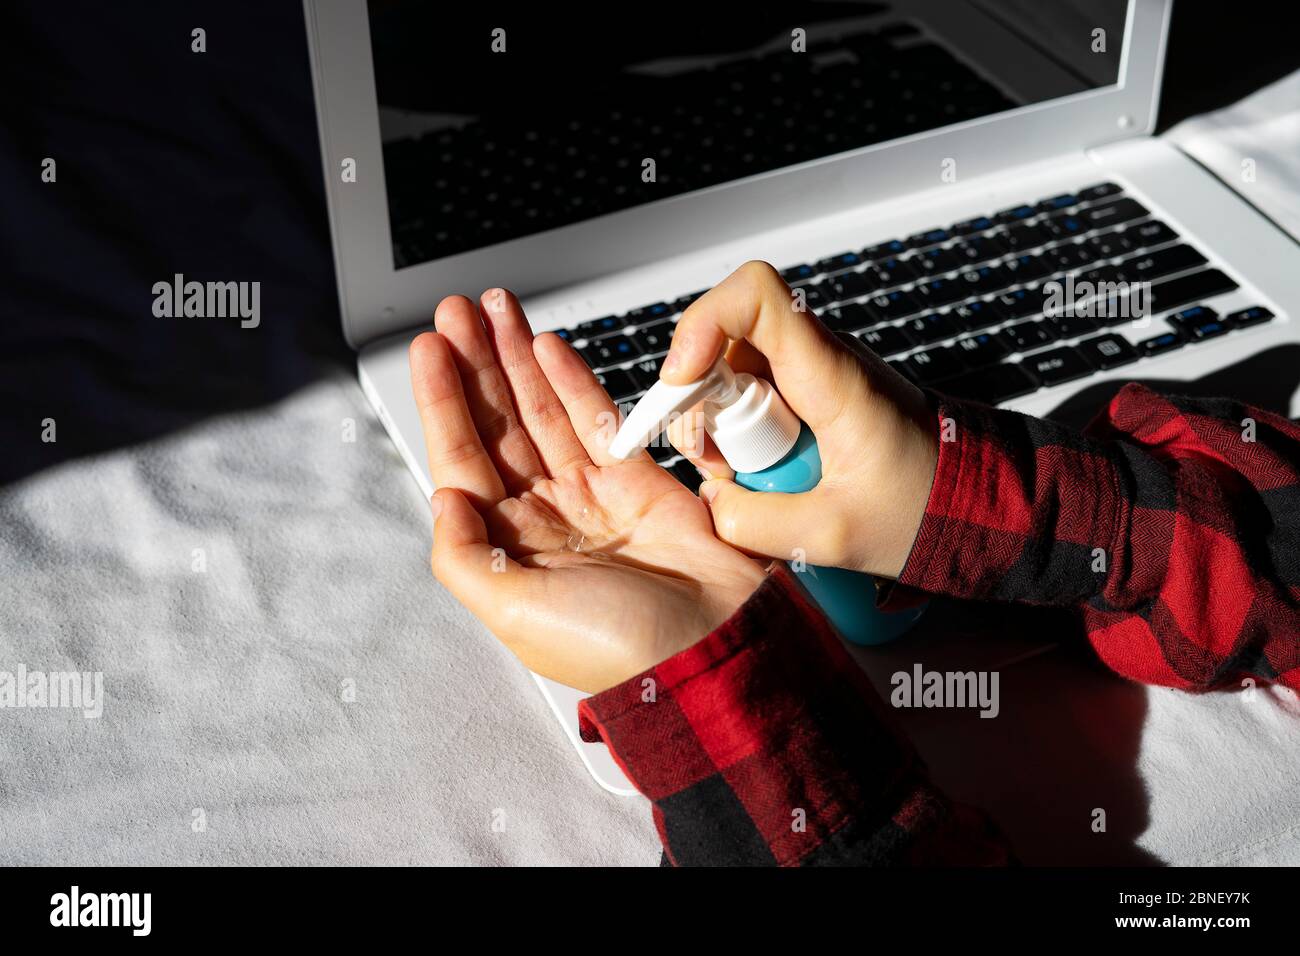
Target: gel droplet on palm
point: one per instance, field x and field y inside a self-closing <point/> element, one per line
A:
<point x="770" y="450"/>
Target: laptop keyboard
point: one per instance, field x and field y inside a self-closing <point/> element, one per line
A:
<point x="546" y="171"/>
<point x="963" y="309"/>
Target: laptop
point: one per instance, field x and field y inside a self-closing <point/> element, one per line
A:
<point x="927" y="173"/>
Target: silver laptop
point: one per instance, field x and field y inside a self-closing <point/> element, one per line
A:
<point x="923" y="171"/>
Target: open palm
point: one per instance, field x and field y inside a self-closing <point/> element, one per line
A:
<point x="589" y="569"/>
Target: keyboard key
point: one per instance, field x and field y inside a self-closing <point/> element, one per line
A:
<point x="977" y="249"/>
<point x="1146" y="234"/>
<point x="1255" y="315"/>
<point x="939" y="292"/>
<point x="1113" y="213"/>
<point x="935" y="261"/>
<point x="993" y="384"/>
<point x="1029" y="335"/>
<point x="1107" y="351"/>
<point x="1058" y="365"/>
<point x="1028" y="267"/>
<point x="601" y="326"/>
<point x="657" y="310"/>
<point x="645" y="372"/>
<point x="965" y="228"/>
<point x="611" y="350"/>
<point x="1197" y="313"/>
<point x="1015" y="214"/>
<point x="845" y="260"/>
<point x="885" y="340"/>
<point x="931" y="327"/>
<point x="1112" y="244"/>
<point x="1063" y="201"/>
<point x="1207" y="329"/>
<point x="893" y="305"/>
<point x="653" y="339"/>
<point x="618" y="383"/>
<point x="796" y="274"/>
<point x="1099" y="191"/>
<point x="1198" y="323"/>
<point x="1026" y="236"/>
<point x="928" y="367"/>
<point x="931" y="237"/>
<point x="848" y="318"/>
<point x="1099" y="274"/>
<point x="983" y="280"/>
<point x="1072" y="326"/>
<point x="1157" y="344"/>
<point x="1020" y="303"/>
<point x="849" y="285"/>
<point x="983" y="349"/>
<point x="885" y="250"/>
<point x="1152" y="265"/>
<point x="1065" y="225"/>
<point x="892" y="272"/>
<point x="977" y="315"/>
<point x="1172" y="293"/>
<point x="1068" y="256"/>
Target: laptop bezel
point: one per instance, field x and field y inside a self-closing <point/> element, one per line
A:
<point x="376" y="299"/>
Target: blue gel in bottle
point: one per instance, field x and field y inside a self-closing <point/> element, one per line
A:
<point x="847" y="597"/>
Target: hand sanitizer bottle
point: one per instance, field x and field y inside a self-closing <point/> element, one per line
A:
<point x="770" y="450"/>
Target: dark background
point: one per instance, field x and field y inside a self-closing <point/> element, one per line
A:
<point x="208" y="165"/>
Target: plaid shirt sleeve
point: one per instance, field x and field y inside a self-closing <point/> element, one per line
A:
<point x="1173" y="523"/>
<point x="764" y="743"/>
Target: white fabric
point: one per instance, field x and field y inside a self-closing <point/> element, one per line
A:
<point x="226" y="687"/>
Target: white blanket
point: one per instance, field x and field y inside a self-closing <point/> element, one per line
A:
<point x="285" y="684"/>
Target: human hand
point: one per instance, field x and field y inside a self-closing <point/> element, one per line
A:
<point x="590" y="570"/>
<point x="876" y="437"/>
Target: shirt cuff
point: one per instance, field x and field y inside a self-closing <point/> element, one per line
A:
<point x="767" y="720"/>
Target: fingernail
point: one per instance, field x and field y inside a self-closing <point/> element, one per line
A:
<point x="704" y="473"/>
<point x="435" y="506"/>
<point x="709" y="490"/>
<point x="671" y="364"/>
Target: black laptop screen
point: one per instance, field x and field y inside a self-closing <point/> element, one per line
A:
<point x="497" y="125"/>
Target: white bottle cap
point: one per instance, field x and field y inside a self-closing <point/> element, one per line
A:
<point x="748" y="420"/>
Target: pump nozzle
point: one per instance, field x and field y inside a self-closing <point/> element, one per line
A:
<point x="657" y="407"/>
<point x="749" y="422"/>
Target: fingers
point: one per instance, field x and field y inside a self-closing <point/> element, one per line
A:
<point x="540" y="410"/>
<point x="785" y="526"/>
<point x="479" y="576"/>
<point x="809" y="367"/>
<point x="487" y="393"/>
<point x="688" y="436"/>
<point x="591" y="412"/>
<point x="456" y="456"/>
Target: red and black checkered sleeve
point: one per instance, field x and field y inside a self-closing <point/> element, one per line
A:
<point x="1172" y="523"/>
<point x="764" y="743"/>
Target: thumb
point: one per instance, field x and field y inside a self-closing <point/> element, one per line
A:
<point x="463" y="560"/>
<point x="778" y="525"/>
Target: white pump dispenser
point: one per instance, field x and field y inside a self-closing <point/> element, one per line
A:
<point x="748" y="420"/>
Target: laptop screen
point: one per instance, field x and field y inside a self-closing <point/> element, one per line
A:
<point x="500" y="125"/>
